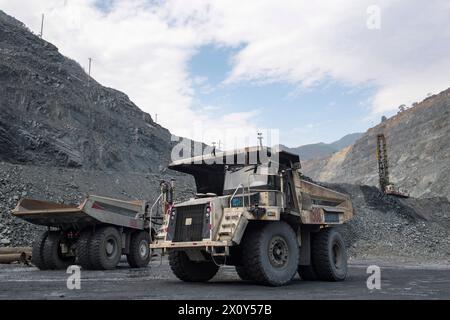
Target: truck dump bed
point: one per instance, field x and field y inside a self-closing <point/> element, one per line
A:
<point x="93" y="210"/>
<point x="323" y="205"/>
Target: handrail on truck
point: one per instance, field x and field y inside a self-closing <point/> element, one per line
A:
<point x="235" y="191"/>
<point x="151" y="213"/>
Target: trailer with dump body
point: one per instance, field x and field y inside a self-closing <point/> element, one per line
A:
<point x="94" y="234"/>
<point x="255" y="211"/>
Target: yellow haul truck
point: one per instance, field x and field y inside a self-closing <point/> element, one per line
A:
<point x="254" y="211"/>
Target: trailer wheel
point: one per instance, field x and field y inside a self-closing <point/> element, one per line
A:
<point x="53" y="256"/>
<point x="191" y="271"/>
<point x="329" y="255"/>
<point x="271" y="253"/>
<point x="307" y="273"/>
<point x="105" y="248"/>
<point x="82" y="250"/>
<point x="243" y="274"/>
<point x="37" y="254"/>
<point x="140" y="253"/>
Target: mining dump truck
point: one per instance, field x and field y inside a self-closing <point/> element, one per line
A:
<point x="94" y="234"/>
<point x="254" y="211"/>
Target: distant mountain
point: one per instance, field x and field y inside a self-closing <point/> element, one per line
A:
<point x="321" y="150"/>
<point x="418" y="152"/>
<point x="346" y="141"/>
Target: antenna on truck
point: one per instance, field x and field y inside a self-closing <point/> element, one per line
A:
<point x="260" y="138"/>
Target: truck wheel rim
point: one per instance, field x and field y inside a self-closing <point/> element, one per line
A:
<point x="111" y="248"/>
<point x="143" y="249"/>
<point x="278" y="252"/>
<point x="337" y="255"/>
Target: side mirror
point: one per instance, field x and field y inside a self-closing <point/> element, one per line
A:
<point x="296" y="166"/>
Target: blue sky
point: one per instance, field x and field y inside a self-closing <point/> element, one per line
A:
<point x="314" y="70"/>
<point x="104" y="5"/>
<point x="323" y="113"/>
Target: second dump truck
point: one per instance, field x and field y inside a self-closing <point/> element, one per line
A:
<point x="94" y="234"/>
<point x="253" y="210"/>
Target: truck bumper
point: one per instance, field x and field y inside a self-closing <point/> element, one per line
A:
<point x="186" y="245"/>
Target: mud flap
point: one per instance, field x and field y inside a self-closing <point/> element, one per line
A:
<point x="305" y="248"/>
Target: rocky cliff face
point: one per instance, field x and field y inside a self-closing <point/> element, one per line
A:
<point x="418" y="143"/>
<point x="53" y="114"/>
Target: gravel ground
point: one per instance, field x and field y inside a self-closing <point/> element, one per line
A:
<point x="157" y="282"/>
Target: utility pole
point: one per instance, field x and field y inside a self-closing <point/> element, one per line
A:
<point x="42" y="27"/>
<point x="90" y="64"/>
<point x="220" y="144"/>
<point x="89" y="72"/>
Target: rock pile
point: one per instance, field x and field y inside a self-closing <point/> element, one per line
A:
<point x="397" y="229"/>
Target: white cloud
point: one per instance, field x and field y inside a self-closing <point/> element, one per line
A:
<point x="210" y="108"/>
<point x="306" y="42"/>
<point x="143" y="49"/>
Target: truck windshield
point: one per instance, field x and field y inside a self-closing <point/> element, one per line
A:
<point x="249" y="176"/>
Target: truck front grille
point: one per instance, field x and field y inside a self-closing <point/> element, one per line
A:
<point x="189" y="223"/>
<point x="331" y="217"/>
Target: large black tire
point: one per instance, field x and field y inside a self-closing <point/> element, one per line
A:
<point x="105" y="248"/>
<point x="270" y="254"/>
<point x="53" y="257"/>
<point x="82" y="250"/>
<point x="37" y="254"/>
<point x="307" y="273"/>
<point x="243" y="274"/>
<point x="140" y="253"/>
<point x="191" y="271"/>
<point x="329" y="255"/>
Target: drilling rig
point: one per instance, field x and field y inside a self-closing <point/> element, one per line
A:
<point x="386" y="186"/>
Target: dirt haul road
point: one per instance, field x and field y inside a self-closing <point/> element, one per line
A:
<point x="157" y="282"/>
